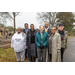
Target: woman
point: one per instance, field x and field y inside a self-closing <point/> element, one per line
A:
<point x="31" y="44"/>
<point x="18" y="43"/>
<point x="54" y="46"/>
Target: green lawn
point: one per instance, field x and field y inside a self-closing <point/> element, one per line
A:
<point x="7" y="55"/>
<point x="72" y="36"/>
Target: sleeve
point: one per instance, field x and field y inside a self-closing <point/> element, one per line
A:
<point x="66" y="40"/>
<point x="46" y="41"/>
<point x="12" y="42"/>
<point x="58" y="42"/>
<point x="36" y="40"/>
<point x="25" y="40"/>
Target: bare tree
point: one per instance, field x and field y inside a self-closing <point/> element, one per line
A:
<point x="49" y="17"/>
<point x="9" y="15"/>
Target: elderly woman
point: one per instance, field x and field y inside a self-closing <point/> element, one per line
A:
<point x="18" y="43"/>
<point x="54" y="46"/>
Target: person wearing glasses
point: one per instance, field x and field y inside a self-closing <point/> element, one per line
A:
<point x="54" y="46"/>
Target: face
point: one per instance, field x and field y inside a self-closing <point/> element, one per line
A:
<point x="19" y="30"/>
<point x="26" y="26"/>
<point x="41" y="28"/>
<point x="32" y="27"/>
<point x="46" y="25"/>
<point x="53" y="30"/>
<point x="61" y="28"/>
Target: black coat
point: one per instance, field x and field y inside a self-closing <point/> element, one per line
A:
<point x="28" y="43"/>
<point x="49" y="31"/>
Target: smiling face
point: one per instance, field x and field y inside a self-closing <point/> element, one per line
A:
<point x="32" y="27"/>
<point x="46" y="25"/>
<point x="19" y="30"/>
<point x="61" y="28"/>
<point x="41" y="28"/>
<point x="53" y="29"/>
<point x="26" y="26"/>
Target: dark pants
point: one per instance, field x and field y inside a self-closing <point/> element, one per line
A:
<point x="41" y="53"/>
<point x="62" y="53"/>
<point x="25" y="53"/>
<point x="33" y="59"/>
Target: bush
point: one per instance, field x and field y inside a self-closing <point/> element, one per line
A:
<point x="70" y="34"/>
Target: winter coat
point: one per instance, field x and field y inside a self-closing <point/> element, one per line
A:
<point x="56" y="46"/>
<point x="64" y="41"/>
<point x="38" y="39"/>
<point x="49" y="31"/>
<point x="28" y="43"/>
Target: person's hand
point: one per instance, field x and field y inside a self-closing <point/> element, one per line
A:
<point x="41" y="46"/>
<point x="65" y="48"/>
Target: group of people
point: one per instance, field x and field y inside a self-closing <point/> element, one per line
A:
<point x="45" y="45"/>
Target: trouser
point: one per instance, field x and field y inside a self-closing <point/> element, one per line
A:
<point x="41" y="53"/>
<point x="33" y="59"/>
<point x="18" y="54"/>
<point x="50" y="57"/>
<point x="62" y="53"/>
<point x="25" y="53"/>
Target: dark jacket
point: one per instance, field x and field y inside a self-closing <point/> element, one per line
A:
<point x="49" y="31"/>
<point x="24" y="30"/>
<point x="28" y="42"/>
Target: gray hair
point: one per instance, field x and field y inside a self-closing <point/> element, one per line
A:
<point x="41" y="25"/>
<point x="19" y="27"/>
<point x="53" y="26"/>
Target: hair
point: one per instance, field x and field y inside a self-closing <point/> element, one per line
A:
<point x="53" y="26"/>
<point x="25" y="24"/>
<point x="41" y="25"/>
<point x="32" y="24"/>
<point x="18" y="28"/>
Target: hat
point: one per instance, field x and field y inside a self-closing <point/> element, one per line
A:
<point x="61" y="25"/>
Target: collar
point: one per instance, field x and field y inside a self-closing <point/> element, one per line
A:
<point x="47" y="28"/>
<point x="59" y="30"/>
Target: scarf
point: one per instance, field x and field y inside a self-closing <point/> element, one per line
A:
<point x="62" y="34"/>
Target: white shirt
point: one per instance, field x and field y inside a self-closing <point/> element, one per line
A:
<point x="18" y="42"/>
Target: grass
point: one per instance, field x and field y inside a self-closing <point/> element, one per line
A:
<point x="72" y="36"/>
<point x="8" y="55"/>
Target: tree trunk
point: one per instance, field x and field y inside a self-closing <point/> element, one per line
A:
<point x="49" y="18"/>
<point x="14" y="20"/>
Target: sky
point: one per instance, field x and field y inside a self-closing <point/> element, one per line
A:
<point x="25" y="17"/>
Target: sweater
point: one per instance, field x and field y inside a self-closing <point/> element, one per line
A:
<point x="18" y="42"/>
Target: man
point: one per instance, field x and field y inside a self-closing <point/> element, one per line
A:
<point x="18" y="43"/>
<point x="47" y="28"/>
<point x="32" y="54"/>
<point x="26" y="31"/>
<point x="41" y="40"/>
<point x="64" y="38"/>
